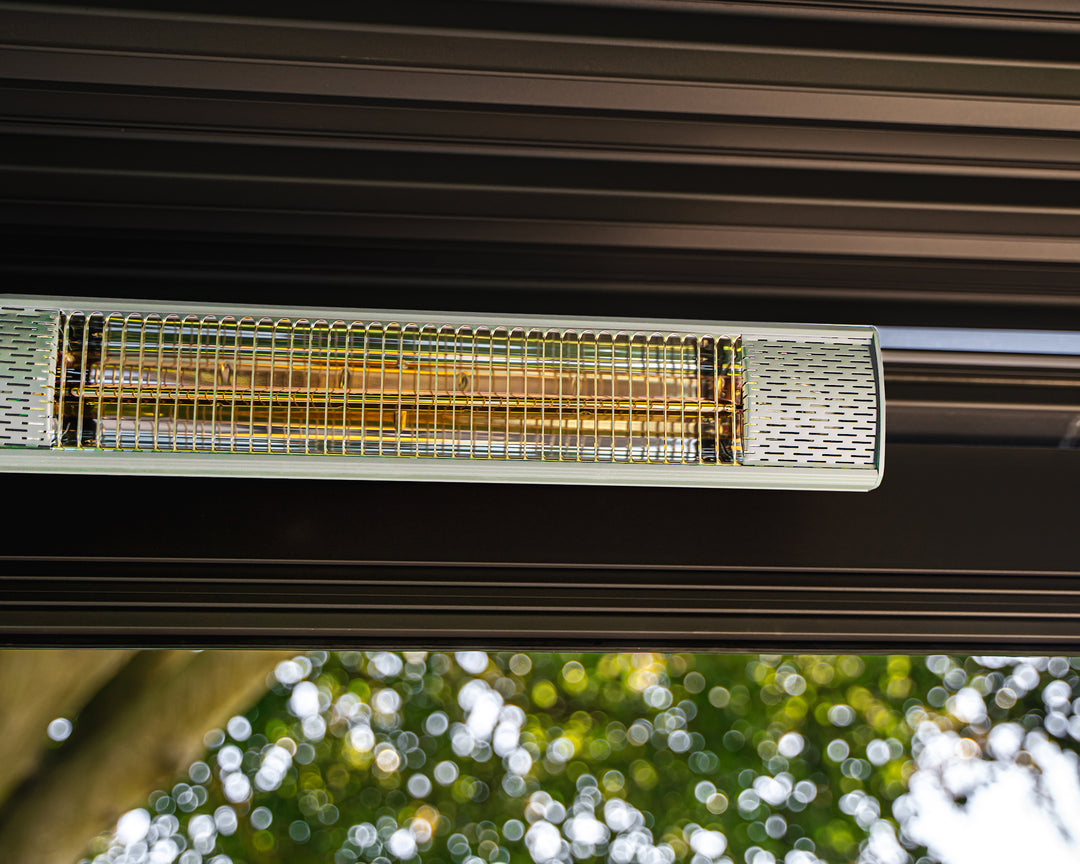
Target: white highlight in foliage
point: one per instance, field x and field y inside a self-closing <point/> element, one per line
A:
<point x="519" y="762"/>
<point x="711" y="844"/>
<point x="230" y="757"/>
<point x="363" y="835"/>
<point x="841" y="715"/>
<point x="1057" y="694"/>
<point x="446" y="773"/>
<point x="883" y="847"/>
<point x="166" y="825"/>
<point x="1010" y="812"/>
<point x="385" y="665"/>
<point x="621" y="816"/>
<point x="421" y="830"/>
<point x="505" y="740"/>
<point x="837" y="750"/>
<point x="790" y="745"/>
<point x="560" y="750"/>
<point x="361" y="738"/>
<point x="239" y="728"/>
<point x="622" y="851"/>
<point x="1027" y="676"/>
<point x="537" y="806"/>
<point x="662" y="854"/>
<point x="436" y="723"/>
<point x="304" y="701"/>
<point x="482" y="705"/>
<point x="276" y="762"/>
<point x="1060" y="770"/>
<point x="288" y="672"/>
<point x="314" y="727"/>
<point x="473" y="662"/>
<point x="401" y="844"/>
<point x="59" y="729"/>
<point x="1056" y="723"/>
<point x="805" y="791"/>
<point x="462" y="741"/>
<point x="349" y="706"/>
<point x="225" y="820"/>
<point x="773" y="790"/>
<point x="776" y="826"/>
<point x="877" y="752"/>
<point x="863" y="807"/>
<point x="201" y="827"/>
<point x="387" y="758"/>
<point x="967" y="706"/>
<point x="586" y="829"/>
<point x="419" y="786"/>
<point x="1006" y="740"/>
<point x="512" y="715"/>
<point x="554" y="812"/>
<point x="237" y="787"/>
<point x="163" y="852"/>
<point x="132" y="826"/>
<point x="261" y="817"/>
<point x="543" y="842"/>
<point x="386" y="701"/>
<point x="795" y="685"/>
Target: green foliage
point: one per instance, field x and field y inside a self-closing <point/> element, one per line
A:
<point x="628" y="757"/>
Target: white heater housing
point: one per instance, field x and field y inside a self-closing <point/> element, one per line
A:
<point x="131" y="387"/>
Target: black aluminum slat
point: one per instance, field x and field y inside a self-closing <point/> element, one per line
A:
<point x="783" y="161"/>
<point x="970" y="546"/>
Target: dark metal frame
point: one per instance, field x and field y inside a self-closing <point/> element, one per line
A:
<point x="850" y="163"/>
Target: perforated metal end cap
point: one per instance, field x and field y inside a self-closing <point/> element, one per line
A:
<point x="28" y="339"/>
<point x="810" y="403"/>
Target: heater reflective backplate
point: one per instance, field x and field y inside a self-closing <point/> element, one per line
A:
<point x="114" y="386"/>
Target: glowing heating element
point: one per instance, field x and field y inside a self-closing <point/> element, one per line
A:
<point x="127" y="387"/>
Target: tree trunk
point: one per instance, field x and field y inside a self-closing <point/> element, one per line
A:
<point x="36" y="687"/>
<point x="147" y="725"/>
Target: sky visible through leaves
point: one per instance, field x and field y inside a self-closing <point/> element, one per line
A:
<point x="629" y="758"/>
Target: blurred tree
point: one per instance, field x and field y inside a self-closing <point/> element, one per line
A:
<point x="141" y="718"/>
<point x="629" y="758"/>
<point x="37" y="687"/>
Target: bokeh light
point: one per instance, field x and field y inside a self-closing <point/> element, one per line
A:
<point x="628" y="758"/>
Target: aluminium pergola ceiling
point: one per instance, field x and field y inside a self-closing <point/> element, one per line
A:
<point x="843" y="163"/>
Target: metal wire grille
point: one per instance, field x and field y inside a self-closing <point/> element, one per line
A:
<point x="248" y="385"/>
